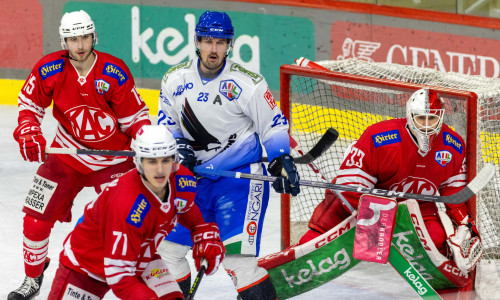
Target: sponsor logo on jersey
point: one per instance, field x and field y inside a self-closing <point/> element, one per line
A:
<point x="164" y="98"/>
<point x="269" y="98"/>
<point x="386" y="138"/>
<point x="230" y="89"/>
<point x="139" y="211"/>
<point x="115" y="72"/>
<point x="450" y="140"/>
<point x="51" y="68"/>
<point x="443" y="157"/>
<point x="415" y="185"/>
<point x="184" y="65"/>
<point x="256" y="78"/>
<point x="90" y="124"/>
<point x="180" y="204"/>
<point x="158" y="273"/>
<point x="101" y="86"/>
<point x="181" y="88"/>
<point x="185" y="183"/>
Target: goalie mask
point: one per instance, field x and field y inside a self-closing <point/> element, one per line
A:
<point x="76" y="23"/>
<point x="153" y="141"/>
<point x="214" y="24"/>
<point x="424" y="115"/>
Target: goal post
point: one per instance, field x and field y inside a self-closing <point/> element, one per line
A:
<point x="355" y="94"/>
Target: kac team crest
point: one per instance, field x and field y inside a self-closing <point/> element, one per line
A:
<point x="230" y="89"/>
<point x="443" y="157"/>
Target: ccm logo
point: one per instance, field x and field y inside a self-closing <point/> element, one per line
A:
<point x="29" y="129"/>
<point x="210" y="235"/>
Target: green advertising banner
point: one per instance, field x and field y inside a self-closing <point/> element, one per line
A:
<point x="151" y="39"/>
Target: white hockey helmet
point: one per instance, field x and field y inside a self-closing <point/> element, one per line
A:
<point x="153" y="141"/>
<point x="76" y="23"/>
<point x="425" y="115"/>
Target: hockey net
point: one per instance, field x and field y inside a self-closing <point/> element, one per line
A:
<point x="356" y="94"/>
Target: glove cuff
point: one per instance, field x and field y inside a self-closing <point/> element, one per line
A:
<point x="276" y="165"/>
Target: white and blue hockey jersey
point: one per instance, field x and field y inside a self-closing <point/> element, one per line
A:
<point x="224" y="117"/>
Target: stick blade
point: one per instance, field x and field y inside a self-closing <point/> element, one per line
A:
<point x="483" y="178"/>
<point x="326" y="141"/>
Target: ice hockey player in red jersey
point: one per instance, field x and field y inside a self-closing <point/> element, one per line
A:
<point x="421" y="155"/>
<point x="114" y="247"/>
<point x="97" y="106"/>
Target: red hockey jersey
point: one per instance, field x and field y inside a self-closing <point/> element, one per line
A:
<point x="123" y="228"/>
<point x="101" y="110"/>
<point x="386" y="157"/>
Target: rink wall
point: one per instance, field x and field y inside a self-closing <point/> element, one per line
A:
<point x="151" y="36"/>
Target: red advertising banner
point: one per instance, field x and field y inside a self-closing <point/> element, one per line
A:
<point x="21" y="45"/>
<point x="376" y="221"/>
<point x="440" y="51"/>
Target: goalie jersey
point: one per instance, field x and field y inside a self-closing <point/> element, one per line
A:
<point x="123" y="228"/>
<point x="386" y="157"/>
<point x="223" y="117"/>
<point x="101" y="110"/>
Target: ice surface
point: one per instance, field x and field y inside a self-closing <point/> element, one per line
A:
<point x="365" y="281"/>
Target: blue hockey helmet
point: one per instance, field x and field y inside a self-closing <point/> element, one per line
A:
<point x="216" y="25"/>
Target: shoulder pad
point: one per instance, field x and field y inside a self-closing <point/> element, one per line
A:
<point x="256" y="78"/>
<point x="184" y="65"/>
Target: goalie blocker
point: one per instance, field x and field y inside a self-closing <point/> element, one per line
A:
<point x="301" y="268"/>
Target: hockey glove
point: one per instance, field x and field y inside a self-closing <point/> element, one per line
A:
<point x="186" y="153"/>
<point x="288" y="178"/>
<point x="208" y="245"/>
<point x="466" y="248"/>
<point x="31" y="142"/>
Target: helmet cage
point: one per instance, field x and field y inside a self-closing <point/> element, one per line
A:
<point x="214" y="24"/>
<point x="76" y="23"/>
<point x="423" y="105"/>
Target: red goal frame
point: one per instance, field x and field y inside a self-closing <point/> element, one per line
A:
<point x="287" y="71"/>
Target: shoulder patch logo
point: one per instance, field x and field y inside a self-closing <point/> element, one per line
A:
<point x="270" y="99"/>
<point x="386" y="138"/>
<point x="230" y="89"/>
<point x="51" y="68"/>
<point x="256" y="78"/>
<point x="443" y="157"/>
<point x="185" y="183"/>
<point x="180" y="204"/>
<point x="139" y="211"/>
<point x="115" y="72"/>
<point x="101" y="86"/>
<point x="184" y="65"/>
<point x="450" y="140"/>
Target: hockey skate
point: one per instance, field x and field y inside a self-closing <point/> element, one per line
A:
<point x="30" y="287"/>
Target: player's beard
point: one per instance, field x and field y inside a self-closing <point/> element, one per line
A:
<point x="212" y="66"/>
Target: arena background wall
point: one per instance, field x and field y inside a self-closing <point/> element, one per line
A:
<point x="151" y="36"/>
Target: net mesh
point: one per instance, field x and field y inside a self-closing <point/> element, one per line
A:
<point x="317" y="104"/>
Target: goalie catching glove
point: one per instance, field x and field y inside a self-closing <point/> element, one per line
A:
<point x="186" y="153"/>
<point x="466" y="248"/>
<point x="31" y="141"/>
<point x="288" y="178"/>
<point x="208" y="245"/>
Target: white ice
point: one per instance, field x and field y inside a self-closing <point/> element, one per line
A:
<point x="365" y="281"/>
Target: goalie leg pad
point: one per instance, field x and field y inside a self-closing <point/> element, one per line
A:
<point x="250" y="280"/>
<point x="328" y="213"/>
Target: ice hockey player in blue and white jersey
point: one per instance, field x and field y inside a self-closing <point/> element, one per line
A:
<point x="220" y="113"/>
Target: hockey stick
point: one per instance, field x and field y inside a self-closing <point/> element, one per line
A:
<point x="325" y="142"/>
<point x="73" y="151"/>
<point x="197" y="280"/>
<point x="481" y="180"/>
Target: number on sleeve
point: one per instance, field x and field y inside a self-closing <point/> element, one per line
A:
<point x="137" y="96"/>
<point x="355" y="158"/>
<point x="119" y="236"/>
<point x="30" y="84"/>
